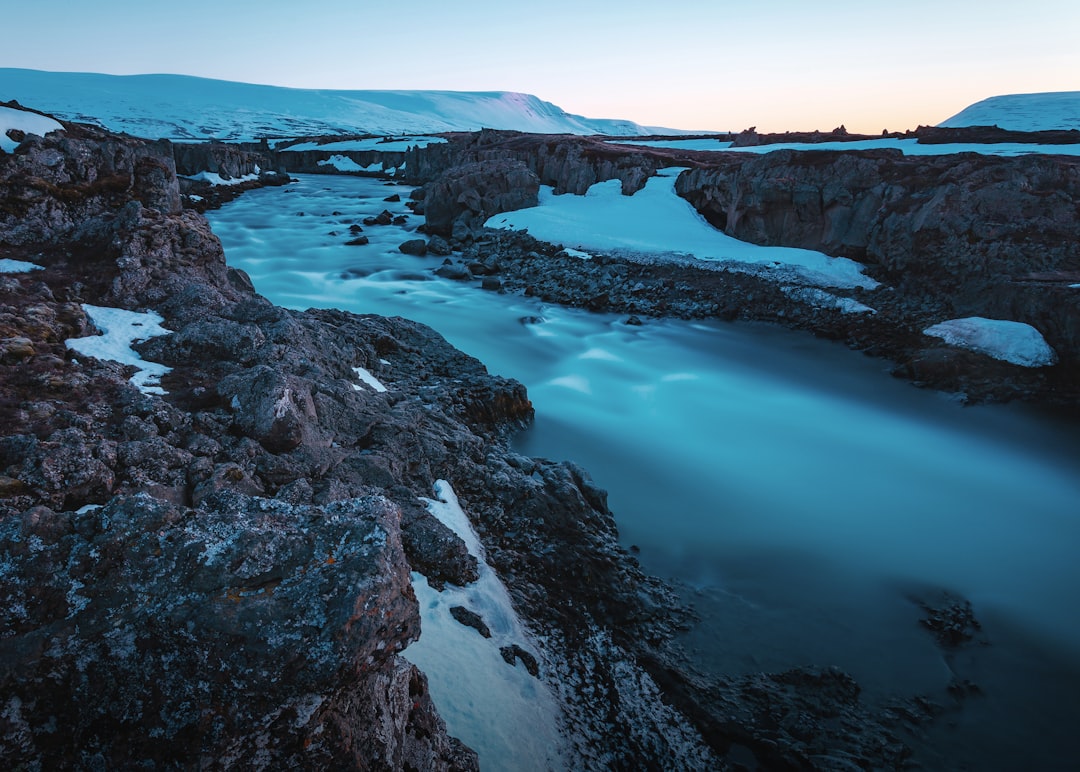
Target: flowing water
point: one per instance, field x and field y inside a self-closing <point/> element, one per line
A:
<point x="797" y="494"/>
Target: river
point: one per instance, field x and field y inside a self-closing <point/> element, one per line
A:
<point x="796" y="493"/>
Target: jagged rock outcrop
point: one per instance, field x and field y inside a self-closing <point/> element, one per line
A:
<point x="220" y="634"/>
<point x="372" y="162"/>
<point x="229" y="160"/>
<point x="64" y="186"/>
<point x="462" y="199"/>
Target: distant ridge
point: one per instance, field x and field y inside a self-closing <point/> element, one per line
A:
<point x="1054" y="110"/>
<point x="185" y="107"/>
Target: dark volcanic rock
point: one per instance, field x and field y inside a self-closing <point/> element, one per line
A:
<point x="951" y="620"/>
<point x="463" y="198"/>
<point x="417" y="247"/>
<point x="128" y="663"/>
<point x="513" y="653"/>
<point x="470" y="619"/>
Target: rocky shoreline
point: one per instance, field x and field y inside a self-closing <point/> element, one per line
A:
<point x="219" y="576"/>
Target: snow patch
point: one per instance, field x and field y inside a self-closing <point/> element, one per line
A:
<point x="120" y="329"/>
<point x="657" y="222"/>
<point x="577" y="253"/>
<point x="821" y="299"/>
<point x="216" y="179"/>
<point x="508" y="716"/>
<point x="345" y="164"/>
<point x="366" y="377"/>
<point x="21" y="120"/>
<point x="7" y="265"/>
<point x="1015" y="342"/>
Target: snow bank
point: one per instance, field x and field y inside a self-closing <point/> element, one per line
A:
<point x="21" y="120"/>
<point x="119" y="330"/>
<point x="378" y="144"/>
<point x="366" y="377"/>
<point x="7" y="265"/>
<point x="1015" y="342"/>
<point x="656" y="221"/>
<point x="507" y="715"/>
<point x="905" y="146"/>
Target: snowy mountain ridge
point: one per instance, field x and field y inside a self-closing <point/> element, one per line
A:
<point x="1055" y="110"/>
<point x="183" y="107"/>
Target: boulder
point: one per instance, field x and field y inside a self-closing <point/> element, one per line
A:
<point x="416" y="247"/>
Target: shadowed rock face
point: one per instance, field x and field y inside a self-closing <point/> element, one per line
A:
<point x="946" y="219"/>
<point x="462" y="199"/>
<point x="973" y="233"/>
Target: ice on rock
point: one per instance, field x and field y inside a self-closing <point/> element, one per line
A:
<point x="1015" y="342"/>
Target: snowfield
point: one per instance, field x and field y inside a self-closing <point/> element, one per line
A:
<point x="183" y="108"/>
<point x="1015" y="342"/>
<point x="655" y="221"/>
<point x="1058" y="110"/>
<point x="21" y="120"/>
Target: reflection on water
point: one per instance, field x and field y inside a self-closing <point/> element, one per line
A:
<point x="795" y="489"/>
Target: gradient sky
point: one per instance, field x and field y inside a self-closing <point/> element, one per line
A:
<point x="693" y="64"/>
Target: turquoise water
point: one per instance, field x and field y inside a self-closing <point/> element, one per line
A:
<point x="797" y="493"/>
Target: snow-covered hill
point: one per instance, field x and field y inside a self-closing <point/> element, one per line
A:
<point x="184" y="107"/>
<point x="1022" y="112"/>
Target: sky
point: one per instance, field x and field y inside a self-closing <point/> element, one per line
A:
<point x="691" y="64"/>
